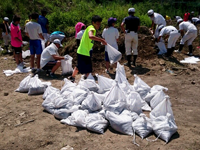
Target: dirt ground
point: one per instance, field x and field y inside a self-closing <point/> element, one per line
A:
<point x="46" y="132"/>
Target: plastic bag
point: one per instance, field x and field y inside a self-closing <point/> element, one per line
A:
<point x="96" y="123"/>
<point x="77" y="118"/>
<point x="26" y="54"/>
<point x="159" y="97"/>
<point x="162" y="48"/>
<point x="92" y="102"/>
<point x="162" y="109"/>
<point x="121" y="68"/>
<point x="24" y="85"/>
<point x="115" y="101"/>
<point x="119" y="77"/>
<point x="126" y="87"/>
<point x="105" y="83"/>
<point x="121" y="123"/>
<point x="50" y="90"/>
<point x="90" y="84"/>
<point x="113" y="54"/>
<point x="141" y="87"/>
<point x="142" y="126"/>
<point x="164" y="127"/>
<point x="133" y="115"/>
<point x="66" y="66"/>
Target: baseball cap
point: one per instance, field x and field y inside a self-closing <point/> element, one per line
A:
<point x="150" y="12"/>
<point x="179" y="20"/>
<point x="111" y="20"/>
<point x="131" y="10"/>
<point x="6" y="19"/>
<point x="57" y="41"/>
<point x="160" y="27"/>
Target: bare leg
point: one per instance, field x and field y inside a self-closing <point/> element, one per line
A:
<point x="75" y="72"/>
<point x="38" y="61"/>
<point x="32" y="61"/>
<point x="17" y="58"/>
<point x="58" y="64"/>
<point x="20" y="57"/>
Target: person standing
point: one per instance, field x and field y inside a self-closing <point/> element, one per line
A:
<point x="177" y="17"/>
<point x="111" y="35"/>
<point x="34" y="31"/>
<point x="131" y="37"/>
<point x="79" y="35"/>
<point x="5" y="32"/>
<point x="189" y="36"/>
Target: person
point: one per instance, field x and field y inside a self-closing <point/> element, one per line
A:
<point x="131" y="37"/>
<point x="84" y="65"/>
<point x="44" y="22"/>
<point x="50" y="59"/>
<point x="80" y="34"/>
<point x="189" y="36"/>
<point x="195" y="21"/>
<point x="172" y="33"/>
<point x="78" y="28"/>
<point x="167" y="18"/>
<point x="34" y="31"/>
<point x="5" y="33"/>
<point x="191" y="16"/>
<point x="177" y="17"/>
<point x="111" y="35"/>
<point x="56" y="35"/>
<point x="16" y="40"/>
<point x="186" y="16"/>
<point x="29" y="19"/>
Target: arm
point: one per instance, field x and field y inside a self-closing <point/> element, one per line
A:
<point x="158" y="40"/>
<point x="92" y="37"/>
<point x="16" y="38"/>
<point x="41" y="36"/>
<point x="27" y="34"/>
<point x="122" y="27"/>
<point x="182" y="33"/>
<point x="56" y="57"/>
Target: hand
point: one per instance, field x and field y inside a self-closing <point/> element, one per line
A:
<point x="104" y="42"/>
<point x="24" y="42"/>
<point x="66" y="58"/>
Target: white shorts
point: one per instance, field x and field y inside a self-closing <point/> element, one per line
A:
<point x="57" y="36"/>
<point x="189" y="37"/>
<point x="6" y="38"/>
<point x="131" y="43"/>
<point x="173" y="37"/>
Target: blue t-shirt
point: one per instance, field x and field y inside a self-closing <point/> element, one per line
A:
<point x="43" y="22"/>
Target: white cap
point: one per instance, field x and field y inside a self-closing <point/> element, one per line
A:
<point x="57" y="41"/>
<point x="150" y="12"/>
<point x="160" y="27"/>
<point x="179" y="20"/>
<point x="131" y="10"/>
<point x="6" y="19"/>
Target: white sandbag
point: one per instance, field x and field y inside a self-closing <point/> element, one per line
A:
<point x="26" y="53"/>
<point x="90" y="84"/>
<point x="162" y="48"/>
<point x="121" y="123"/>
<point x="19" y="69"/>
<point x="133" y="115"/>
<point x="142" y="126"/>
<point x="164" y="127"/>
<point x="119" y="77"/>
<point x="162" y="109"/>
<point x="115" y="101"/>
<point x="121" y="68"/>
<point x="49" y="90"/>
<point x="68" y="86"/>
<point x="159" y="97"/>
<point x="105" y="83"/>
<point x="141" y="87"/>
<point x="79" y="95"/>
<point x="36" y="86"/>
<point x="96" y="123"/>
<point x="134" y="103"/>
<point x="126" y="87"/>
<point x="66" y="65"/>
<point x="113" y="54"/>
<point x="77" y="118"/>
<point x="90" y="77"/>
<point x="154" y="90"/>
<point x="24" y="85"/>
<point x="92" y="102"/>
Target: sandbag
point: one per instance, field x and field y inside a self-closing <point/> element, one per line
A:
<point x="105" y="83"/>
<point x="96" y="123"/>
<point x="159" y="97"/>
<point x="92" y="102"/>
<point x="141" y="87"/>
<point x="77" y="118"/>
<point x="133" y="115"/>
<point x="50" y="90"/>
<point x="164" y="127"/>
<point x="119" y="77"/>
<point x="126" y="87"/>
<point x="90" y="84"/>
<point x="121" y="68"/>
<point x="115" y="101"/>
<point x="121" y="123"/>
<point x="26" y="53"/>
<point x="66" y="66"/>
<point x="113" y="54"/>
<point x="24" y="85"/>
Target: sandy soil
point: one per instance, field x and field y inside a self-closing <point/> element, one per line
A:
<point x="46" y="132"/>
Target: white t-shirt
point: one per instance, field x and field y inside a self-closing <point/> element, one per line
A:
<point x="111" y="35"/>
<point x="33" y="29"/>
<point x="177" y="17"/>
<point x="47" y="53"/>
<point x="80" y="34"/>
<point x="158" y="19"/>
<point x="187" y="26"/>
<point x="167" y="30"/>
<point x="195" y="19"/>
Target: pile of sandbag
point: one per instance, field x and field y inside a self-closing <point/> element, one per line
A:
<point x="117" y="103"/>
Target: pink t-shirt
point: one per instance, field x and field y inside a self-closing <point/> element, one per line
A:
<point x="15" y="32"/>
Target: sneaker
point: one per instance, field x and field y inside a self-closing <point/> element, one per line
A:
<point x="22" y="64"/>
<point x="107" y="71"/>
<point x="177" y="51"/>
<point x="52" y="75"/>
<point x="72" y="79"/>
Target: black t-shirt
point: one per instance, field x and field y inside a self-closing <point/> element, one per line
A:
<point x="132" y="23"/>
<point x="2" y="26"/>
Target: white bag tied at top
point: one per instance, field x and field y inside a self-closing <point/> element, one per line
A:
<point x="121" y="123"/>
<point x="113" y="54"/>
<point x="24" y="84"/>
<point x="96" y="123"/>
<point x="50" y="90"/>
<point x="66" y="65"/>
<point x="159" y="97"/>
<point x="119" y="77"/>
<point x="115" y="101"/>
<point x="121" y="68"/>
<point x="90" y="84"/>
<point x="162" y="109"/>
<point x="141" y="87"/>
<point x="77" y="118"/>
<point x="164" y="127"/>
<point x="105" y="83"/>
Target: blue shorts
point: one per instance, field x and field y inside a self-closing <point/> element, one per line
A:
<point x="35" y="47"/>
<point x="106" y="56"/>
<point x="84" y="64"/>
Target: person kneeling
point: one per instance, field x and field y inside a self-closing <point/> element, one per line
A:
<point x="50" y="59"/>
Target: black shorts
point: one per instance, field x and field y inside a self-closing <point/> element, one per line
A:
<point x="17" y="50"/>
<point x="49" y="65"/>
<point x="84" y="64"/>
